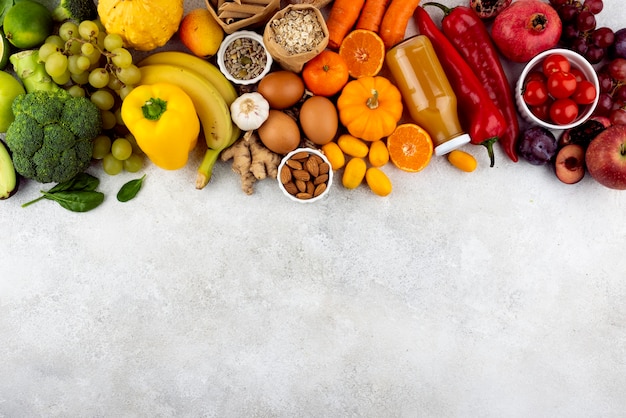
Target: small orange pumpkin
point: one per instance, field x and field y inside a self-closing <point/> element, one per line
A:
<point x="326" y="74"/>
<point x="370" y="107"/>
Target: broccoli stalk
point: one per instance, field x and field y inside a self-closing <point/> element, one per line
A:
<point x="77" y="10"/>
<point x="32" y="71"/>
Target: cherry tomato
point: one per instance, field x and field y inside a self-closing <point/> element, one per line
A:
<point x="561" y="84"/>
<point x="555" y="62"/>
<point x="585" y="93"/>
<point x="580" y="76"/>
<point x="535" y="93"/>
<point x="536" y="75"/>
<point x="542" y="111"/>
<point x="563" y="111"/>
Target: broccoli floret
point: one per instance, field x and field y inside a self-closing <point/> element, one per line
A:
<point x="41" y="106"/>
<point x="82" y="118"/>
<point x="77" y="10"/>
<point x="46" y="149"/>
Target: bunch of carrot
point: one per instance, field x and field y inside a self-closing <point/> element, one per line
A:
<point x="388" y="18"/>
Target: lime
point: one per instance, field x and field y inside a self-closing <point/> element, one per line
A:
<point x="27" y="24"/>
<point x="5" y="51"/>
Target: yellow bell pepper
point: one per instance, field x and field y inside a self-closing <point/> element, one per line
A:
<point x="163" y="120"/>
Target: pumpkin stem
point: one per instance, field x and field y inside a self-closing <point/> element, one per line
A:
<point x="372" y="101"/>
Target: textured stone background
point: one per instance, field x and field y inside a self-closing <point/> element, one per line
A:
<point x="499" y="293"/>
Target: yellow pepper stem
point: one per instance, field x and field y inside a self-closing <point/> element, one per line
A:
<point x="153" y="109"/>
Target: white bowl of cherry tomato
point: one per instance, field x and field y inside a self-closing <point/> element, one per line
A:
<point x="558" y="89"/>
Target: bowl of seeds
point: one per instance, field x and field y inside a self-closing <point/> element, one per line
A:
<point x="305" y="175"/>
<point x="295" y="35"/>
<point x="243" y="58"/>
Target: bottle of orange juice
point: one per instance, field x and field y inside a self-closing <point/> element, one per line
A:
<point x="426" y="92"/>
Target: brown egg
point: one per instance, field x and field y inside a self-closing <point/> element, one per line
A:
<point x="280" y="132"/>
<point x="319" y="120"/>
<point x="282" y="89"/>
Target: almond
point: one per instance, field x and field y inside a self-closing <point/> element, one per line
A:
<point x="291" y="188"/>
<point x="301" y="175"/>
<point x="320" y="179"/>
<point x="312" y="166"/>
<point x="285" y="175"/>
<point x="296" y="165"/>
<point x="324" y="168"/>
<point x="319" y="189"/>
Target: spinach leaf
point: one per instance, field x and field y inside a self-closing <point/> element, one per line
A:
<point x="82" y="181"/>
<point x="77" y="194"/>
<point x="79" y="201"/>
<point x="130" y="189"/>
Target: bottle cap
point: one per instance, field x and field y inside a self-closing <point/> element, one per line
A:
<point x="452" y="144"/>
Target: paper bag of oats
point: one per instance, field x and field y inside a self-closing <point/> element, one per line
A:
<point x="295" y="35"/>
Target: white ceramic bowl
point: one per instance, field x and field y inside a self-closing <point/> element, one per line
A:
<point x="228" y="40"/>
<point x="329" y="182"/>
<point x="577" y="61"/>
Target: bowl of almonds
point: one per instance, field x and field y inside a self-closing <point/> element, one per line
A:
<point x="305" y="175"/>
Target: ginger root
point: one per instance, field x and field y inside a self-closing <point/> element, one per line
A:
<point x="251" y="160"/>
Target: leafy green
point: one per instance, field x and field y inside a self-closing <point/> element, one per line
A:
<point x="77" y="194"/>
<point x="130" y="189"/>
<point x="5" y="5"/>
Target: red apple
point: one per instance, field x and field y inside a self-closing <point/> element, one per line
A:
<point x="606" y="157"/>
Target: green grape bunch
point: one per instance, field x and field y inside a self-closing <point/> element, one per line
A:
<point x="85" y="55"/>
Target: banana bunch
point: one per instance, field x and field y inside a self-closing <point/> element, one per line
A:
<point x="211" y="93"/>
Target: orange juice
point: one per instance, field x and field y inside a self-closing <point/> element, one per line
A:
<point x="427" y="93"/>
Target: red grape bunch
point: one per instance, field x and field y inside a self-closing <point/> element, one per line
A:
<point x="580" y="33"/>
<point x="612" y="99"/>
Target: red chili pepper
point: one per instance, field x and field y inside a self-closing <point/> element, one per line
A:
<point x="479" y="114"/>
<point x="468" y="33"/>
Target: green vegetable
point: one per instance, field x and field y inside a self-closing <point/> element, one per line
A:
<point x="130" y="189"/>
<point x="32" y="72"/>
<point x="51" y="136"/>
<point x="77" y="194"/>
<point x="5" y="5"/>
<point x="76" y="10"/>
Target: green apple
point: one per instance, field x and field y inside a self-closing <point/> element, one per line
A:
<point x="10" y="88"/>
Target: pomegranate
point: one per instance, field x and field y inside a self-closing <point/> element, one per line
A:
<point x="486" y="9"/>
<point x="526" y="28"/>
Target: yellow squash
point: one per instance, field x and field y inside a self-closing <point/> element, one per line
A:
<point x="143" y="24"/>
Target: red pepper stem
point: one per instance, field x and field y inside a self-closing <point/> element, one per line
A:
<point x="488" y="143"/>
<point x="446" y="10"/>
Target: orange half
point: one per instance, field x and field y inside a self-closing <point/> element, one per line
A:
<point x="364" y="53"/>
<point x="410" y="147"/>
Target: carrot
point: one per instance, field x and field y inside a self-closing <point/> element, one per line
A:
<point x="341" y="19"/>
<point x="372" y="14"/>
<point x="396" y="20"/>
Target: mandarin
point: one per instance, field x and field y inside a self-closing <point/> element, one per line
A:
<point x="410" y="147"/>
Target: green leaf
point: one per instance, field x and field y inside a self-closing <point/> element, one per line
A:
<point x="79" y="201"/>
<point x="130" y="189"/>
<point x="5" y="5"/>
<point x="81" y="182"/>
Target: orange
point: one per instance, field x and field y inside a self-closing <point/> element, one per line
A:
<point x="201" y="33"/>
<point x="410" y="147"/>
<point x="326" y="73"/>
<point x="364" y="52"/>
